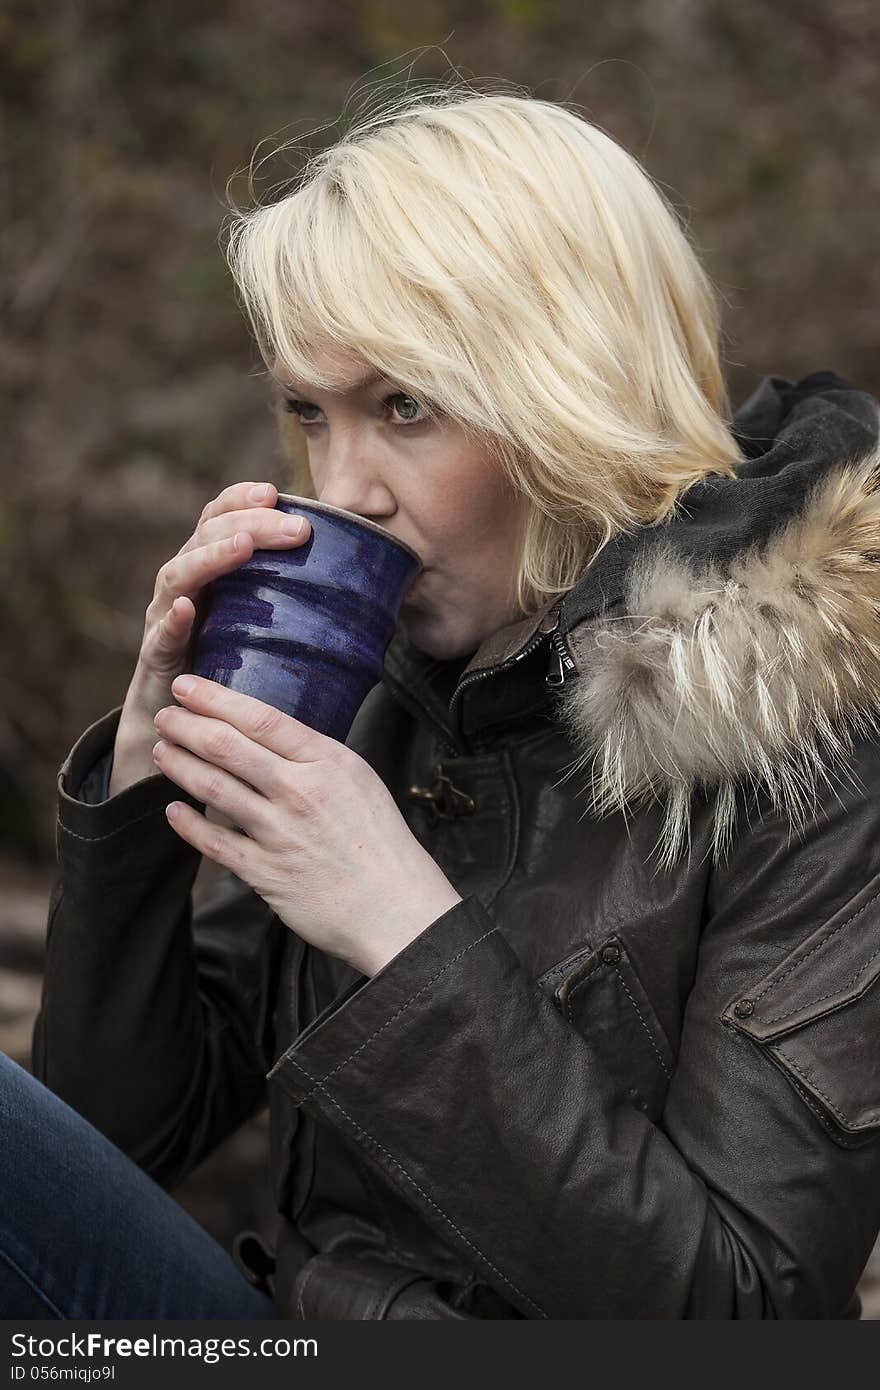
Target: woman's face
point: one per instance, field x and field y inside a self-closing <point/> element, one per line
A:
<point x="372" y="451"/>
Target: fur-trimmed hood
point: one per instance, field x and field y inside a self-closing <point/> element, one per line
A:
<point x="738" y="643"/>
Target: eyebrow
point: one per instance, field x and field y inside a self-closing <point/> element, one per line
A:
<point x="369" y="380"/>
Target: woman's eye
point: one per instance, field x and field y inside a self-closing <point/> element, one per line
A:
<point x="297" y="408"/>
<point x="411" y="410"/>
<point x="405" y="409"/>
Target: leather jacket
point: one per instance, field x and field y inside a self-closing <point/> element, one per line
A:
<point x="635" y="1073"/>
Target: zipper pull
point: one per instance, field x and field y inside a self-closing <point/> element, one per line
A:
<point x="564" y="662"/>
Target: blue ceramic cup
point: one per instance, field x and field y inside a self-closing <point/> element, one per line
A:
<point x="306" y="629"/>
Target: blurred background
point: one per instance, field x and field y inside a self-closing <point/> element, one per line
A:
<point x="131" y="391"/>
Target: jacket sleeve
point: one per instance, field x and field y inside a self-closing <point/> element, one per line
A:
<point x="156" y="1021"/>
<point x="756" y="1195"/>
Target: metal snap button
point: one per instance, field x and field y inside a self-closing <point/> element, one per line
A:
<point x="443" y="800"/>
<point x="743" y="1007"/>
<point x="611" y="954"/>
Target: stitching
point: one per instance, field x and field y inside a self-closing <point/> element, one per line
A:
<point x="564" y="966"/>
<point x="779" y="1017"/>
<point x="339" y="1066"/>
<point x="808" y="1100"/>
<point x="823" y="1119"/>
<point x="392" y="1247"/>
<point x="818" y="946"/>
<point x="363" y="1134"/>
<point x="94" y="839"/>
<point x="866" y="1124"/>
<point x="666" y="1071"/>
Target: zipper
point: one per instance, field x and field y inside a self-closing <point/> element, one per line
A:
<point x="418" y="709"/>
<point x="564" y="666"/>
<point x="565" y="661"/>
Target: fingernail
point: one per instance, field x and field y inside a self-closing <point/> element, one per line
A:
<point x="293" y="526"/>
<point x="257" y="494"/>
<point x="183" y="685"/>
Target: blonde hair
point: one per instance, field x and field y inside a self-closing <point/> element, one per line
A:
<point x="507" y="262"/>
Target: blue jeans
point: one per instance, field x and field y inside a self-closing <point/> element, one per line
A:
<point x="86" y="1234"/>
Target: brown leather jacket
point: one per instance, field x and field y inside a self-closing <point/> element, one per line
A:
<point x="636" y="1072"/>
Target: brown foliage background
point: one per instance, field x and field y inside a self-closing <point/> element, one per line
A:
<point x="131" y="393"/>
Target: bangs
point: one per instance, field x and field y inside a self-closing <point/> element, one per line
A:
<point x="320" y="282"/>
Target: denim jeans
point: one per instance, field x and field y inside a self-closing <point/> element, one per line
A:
<point x="86" y="1234"/>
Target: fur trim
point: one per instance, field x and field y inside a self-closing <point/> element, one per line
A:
<point x="757" y="673"/>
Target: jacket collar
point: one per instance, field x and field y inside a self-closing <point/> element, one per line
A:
<point x="737" y="642"/>
<point x="435" y="688"/>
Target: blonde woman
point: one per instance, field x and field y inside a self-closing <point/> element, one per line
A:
<point x="560" y="977"/>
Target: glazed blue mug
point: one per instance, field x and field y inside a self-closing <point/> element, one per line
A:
<point x="306" y="630"/>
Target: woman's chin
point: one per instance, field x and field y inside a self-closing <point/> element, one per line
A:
<point x="416" y="627"/>
<point x="427" y="633"/>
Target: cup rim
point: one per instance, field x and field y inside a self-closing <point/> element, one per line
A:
<point x="352" y="516"/>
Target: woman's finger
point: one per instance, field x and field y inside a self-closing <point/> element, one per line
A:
<point x="213" y="787"/>
<point x="264" y="724"/>
<point x="225" y="847"/>
<point x="223" y="746"/>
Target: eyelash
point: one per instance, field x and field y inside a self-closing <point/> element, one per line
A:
<point x="295" y="406"/>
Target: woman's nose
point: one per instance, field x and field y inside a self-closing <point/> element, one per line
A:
<point x="344" y="472"/>
<point x="349" y="472"/>
<point x="357" y="489"/>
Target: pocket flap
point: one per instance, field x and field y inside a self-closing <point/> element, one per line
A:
<point x="599" y="992"/>
<point x="816" y="1016"/>
<point x="833" y="966"/>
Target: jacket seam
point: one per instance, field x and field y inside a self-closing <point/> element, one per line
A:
<point x="364" y="1134"/>
<point x="402" y="1009"/>
<point x="95" y="839"/>
<point x="814" y="1108"/>
<point x="391" y="1248"/>
<point x="848" y="1124"/>
<point x="830" y="995"/>
<point x="818" y="946"/>
<point x="783" y="1060"/>
<point x="514" y="807"/>
<point x="666" y="1072"/>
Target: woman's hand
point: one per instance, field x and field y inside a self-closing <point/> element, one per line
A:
<point x="324" y="843"/>
<point x="232" y="526"/>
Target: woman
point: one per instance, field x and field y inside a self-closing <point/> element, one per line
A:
<point x="559" y="977"/>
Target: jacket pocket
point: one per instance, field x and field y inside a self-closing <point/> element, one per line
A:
<point x="599" y="992"/>
<point x="816" y="1016"/>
